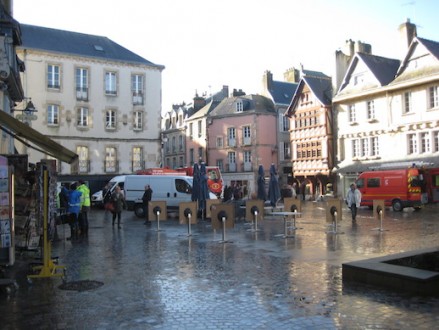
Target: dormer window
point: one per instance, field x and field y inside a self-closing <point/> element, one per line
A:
<point x="239" y="106"/>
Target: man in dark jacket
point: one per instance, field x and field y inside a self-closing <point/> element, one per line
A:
<point x="147" y="195"/>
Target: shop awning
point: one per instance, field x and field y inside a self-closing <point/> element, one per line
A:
<point x="22" y="131"/>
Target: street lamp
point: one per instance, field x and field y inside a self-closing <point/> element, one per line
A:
<point x="27" y="112"/>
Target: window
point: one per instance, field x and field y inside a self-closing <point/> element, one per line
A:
<point x="356" y="152"/>
<point x="239" y="106"/>
<point x="110" y="83"/>
<point x="436" y="141"/>
<point x="231" y="157"/>
<point x="412" y="144"/>
<point x="84" y="161"/>
<point x="174" y="144"/>
<point x="137" y="158"/>
<point x="180" y="143"/>
<point x="407" y="102"/>
<point x="433" y="97"/>
<point x="52" y="114"/>
<point x="191" y="156"/>
<point x="375" y="151"/>
<point x="425" y="142"/>
<point x="200" y="152"/>
<point x="246" y="134"/>
<point x="231" y="133"/>
<point x="370" y="110"/>
<point x="182" y="186"/>
<point x="110" y="160"/>
<point x="137" y="88"/>
<point x="53" y="76"/>
<point x="285" y="123"/>
<point x="191" y="131"/>
<point x="138" y="120"/>
<point x="220" y="164"/>
<point x="360" y="183"/>
<point x="110" y="119"/>
<point x="219" y="142"/>
<point x="287" y="150"/>
<point x="373" y="182"/>
<point x="200" y="128"/>
<point x="365" y="147"/>
<point x="247" y="161"/>
<point x="180" y="161"/>
<point x="82" y="117"/>
<point x="352" y="113"/>
<point x="81" y="84"/>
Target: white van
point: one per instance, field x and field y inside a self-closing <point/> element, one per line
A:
<point x="97" y="199"/>
<point x="174" y="189"/>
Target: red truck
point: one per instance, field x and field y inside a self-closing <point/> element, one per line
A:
<point x="398" y="188"/>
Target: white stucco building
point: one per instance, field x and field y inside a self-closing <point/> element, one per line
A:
<point x="94" y="97"/>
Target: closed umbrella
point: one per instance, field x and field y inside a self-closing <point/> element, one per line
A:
<point x="261" y="184"/>
<point x="204" y="189"/>
<point x="273" y="187"/>
<point x="196" y="183"/>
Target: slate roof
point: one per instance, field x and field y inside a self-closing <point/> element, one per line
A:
<point x="78" y="44"/>
<point x="432" y="46"/>
<point x="282" y="92"/>
<point x="321" y="87"/>
<point x="384" y="69"/>
<point x="251" y="103"/>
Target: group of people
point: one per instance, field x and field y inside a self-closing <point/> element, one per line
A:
<point x="117" y="203"/>
<point x="74" y="199"/>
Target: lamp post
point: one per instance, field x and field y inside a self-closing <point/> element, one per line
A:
<point x="27" y="113"/>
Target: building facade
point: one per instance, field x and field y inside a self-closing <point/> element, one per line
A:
<point x="312" y="134"/>
<point x="241" y="137"/>
<point x="94" y="97"/>
<point x="388" y="110"/>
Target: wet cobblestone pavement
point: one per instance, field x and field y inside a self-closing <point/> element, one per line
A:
<point x="168" y="280"/>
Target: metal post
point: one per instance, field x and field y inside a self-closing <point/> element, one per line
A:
<point x="189" y="224"/>
<point x="223" y="219"/>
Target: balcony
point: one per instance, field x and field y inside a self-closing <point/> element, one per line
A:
<point x="247" y="141"/>
<point x="137" y="165"/>
<point x="231" y="167"/>
<point x="111" y="166"/>
<point x="81" y="93"/>
<point x="137" y="98"/>
<point x="247" y="167"/>
<point x="84" y="166"/>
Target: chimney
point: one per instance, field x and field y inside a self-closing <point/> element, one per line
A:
<point x="407" y="32"/>
<point x="362" y="47"/>
<point x="292" y="75"/>
<point x="239" y="92"/>
<point x="267" y="80"/>
<point x="199" y="102"/>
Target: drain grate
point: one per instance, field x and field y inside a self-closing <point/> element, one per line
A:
<point x="81" y="285"/>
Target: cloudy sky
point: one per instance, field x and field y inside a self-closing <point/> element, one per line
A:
<point x="205" y="44"/>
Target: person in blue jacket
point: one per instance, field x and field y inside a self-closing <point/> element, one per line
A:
<point x="73" y="210"/>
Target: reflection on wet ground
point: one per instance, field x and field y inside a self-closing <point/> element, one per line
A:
<point x="167" y="280"/>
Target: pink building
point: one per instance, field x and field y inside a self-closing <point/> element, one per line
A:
<point x="241" y="135"/>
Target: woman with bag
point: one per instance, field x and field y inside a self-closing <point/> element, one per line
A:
<point x="118" y="200"/>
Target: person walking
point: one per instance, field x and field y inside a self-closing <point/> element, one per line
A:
<point x="146" y="198"/>
<point x="73" y="209"/>
<point x="85" y="207"/>
<point x="118" y="200"/>
<point x="353" y="199"/>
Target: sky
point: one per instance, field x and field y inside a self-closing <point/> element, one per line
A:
<point x="205" y="44"/>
